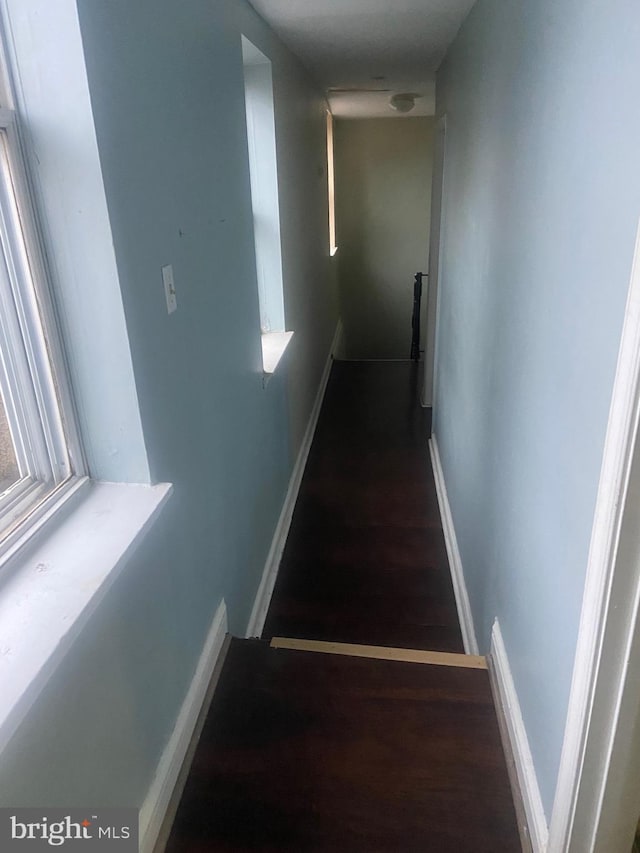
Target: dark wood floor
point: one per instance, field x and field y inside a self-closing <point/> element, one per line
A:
<point x="365" y="561"/>
<point x="305" y="751"/>
<point x="311" y="752"/>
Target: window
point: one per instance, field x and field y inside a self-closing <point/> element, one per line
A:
<point x="38" y="449"/>
<point x="261" y="136"/>
<point x="331" y="187"/>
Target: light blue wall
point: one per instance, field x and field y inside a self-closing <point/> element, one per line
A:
<point x="166" y="87"/>
<point x="541" y="204"/>
<point x="166" y="84"/>
<point x="167" y="90"/>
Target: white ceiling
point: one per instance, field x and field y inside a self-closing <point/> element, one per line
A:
<point x="348" y="43"/>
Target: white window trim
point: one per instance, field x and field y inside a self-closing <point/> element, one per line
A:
<point x="274" y="345"/>
<point x="47" y="446"/>
<point x="51" y="592"/>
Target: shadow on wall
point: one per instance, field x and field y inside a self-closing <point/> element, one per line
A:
<point x="383" y="200"/>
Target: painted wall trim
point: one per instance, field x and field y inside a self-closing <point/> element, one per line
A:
<point x="436" y="242"/>
<point x="453" y="552"/>
<point x="589" y="677"/>
<point x="100" y="525"/>
<point x="157" y="801"/>
<point x="508" y="707"/>
<point x="272" y="564"/>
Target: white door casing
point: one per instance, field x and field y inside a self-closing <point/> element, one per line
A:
<point x="597" y="799"/>
<point x="435" y="242"/>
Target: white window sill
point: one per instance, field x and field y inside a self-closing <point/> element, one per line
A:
<point x="50" y="589"/>
<point x="274" y="345"/>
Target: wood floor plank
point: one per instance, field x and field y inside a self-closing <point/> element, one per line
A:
<point x="365" y="561"/>
<point x="311" y="752"/>
<point x="419" y="656"/>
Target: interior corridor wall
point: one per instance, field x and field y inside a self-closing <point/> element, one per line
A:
<point x="167" y="96"/>
<point x="383" y="204"/>
<point x="541" y="205"/>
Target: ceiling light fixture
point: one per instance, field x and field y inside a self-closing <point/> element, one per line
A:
<point x="403" y="102"/>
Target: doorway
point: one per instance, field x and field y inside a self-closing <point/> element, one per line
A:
<point x="383" y="172"/>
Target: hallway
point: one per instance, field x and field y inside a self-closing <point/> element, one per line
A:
<point x="365" y="559"/>
<point x="193" y="190"/>
<point x="322" y="748"/>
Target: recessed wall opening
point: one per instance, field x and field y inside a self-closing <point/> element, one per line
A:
<point x="261" y="136"/>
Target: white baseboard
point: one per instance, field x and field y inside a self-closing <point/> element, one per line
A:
<point x="453" y="552"/>
<point x="272" y="565"/>
<point x="508" y="707"/>
<point x="157" y="801"/>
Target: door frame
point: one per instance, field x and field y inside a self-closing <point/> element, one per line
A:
<point x="435" y="247"/>
<point x="597" y="800"/>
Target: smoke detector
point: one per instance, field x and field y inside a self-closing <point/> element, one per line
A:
<point x="403" y="102"/>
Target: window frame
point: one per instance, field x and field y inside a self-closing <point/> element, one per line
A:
<point x="33" y="373"/>
<point x="262" y="153"/>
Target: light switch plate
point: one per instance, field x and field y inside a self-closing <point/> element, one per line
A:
<point x="169" y="288"/>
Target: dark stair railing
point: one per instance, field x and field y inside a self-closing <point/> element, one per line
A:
<point x="415" y="317"/>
